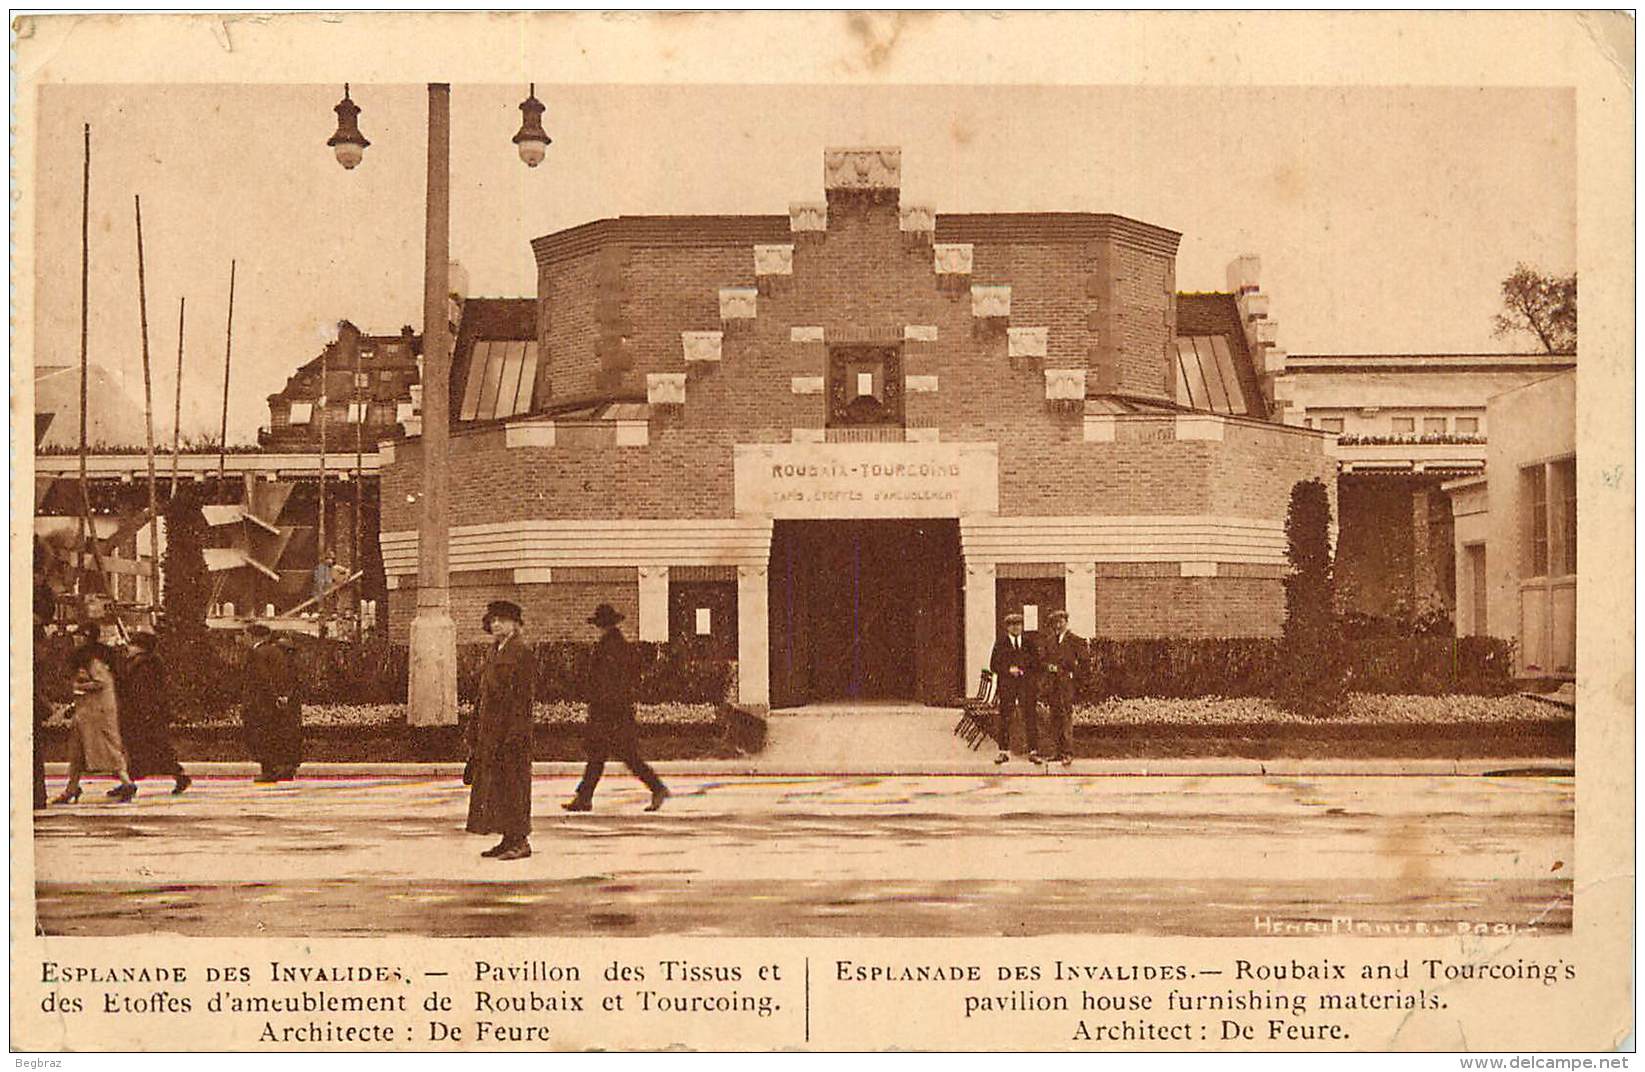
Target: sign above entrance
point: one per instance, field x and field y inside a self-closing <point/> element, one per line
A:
<point x="852" y="480"/>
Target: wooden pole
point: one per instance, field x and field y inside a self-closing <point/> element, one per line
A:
<point x="148" y="413"/>
<point x="85" y="262"/>
<point x="86" y="531"/>
<point x="228" y="353"/>
<point x="177" y="414"/>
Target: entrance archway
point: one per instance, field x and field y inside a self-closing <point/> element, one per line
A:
<point x="865" y="610"/>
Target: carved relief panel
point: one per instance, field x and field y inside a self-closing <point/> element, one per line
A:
<point x="865" y="385"/>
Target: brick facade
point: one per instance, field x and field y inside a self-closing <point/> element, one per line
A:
<point x="615" y="297"/>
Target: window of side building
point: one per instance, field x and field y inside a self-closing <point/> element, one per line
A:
<point x="1467" y="426"/>
<point x="1564" y="504"/>
<point x="1534" y="502"/>
<point x="1433" y="426"/>
<point x="1405" y="425"/>
<point x="1331" y="424"/>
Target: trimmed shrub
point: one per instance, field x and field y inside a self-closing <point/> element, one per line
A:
<point x="201" y="669"/>
<point x="1180" y="668"/>
<point x="1257" y="667"/>
<point x="1313" y="676"/>
<point x="1430" y="665"/>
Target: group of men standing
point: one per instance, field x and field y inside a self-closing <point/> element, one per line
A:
<point x="1027" y="669"/>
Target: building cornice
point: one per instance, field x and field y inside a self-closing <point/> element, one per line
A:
<point x="730" y="231"/>
<point x="1336" y="363"/>
<point x="1029" y="227"/>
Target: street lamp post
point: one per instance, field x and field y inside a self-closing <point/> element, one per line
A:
<point x="433" y="693"/>
<point x="433" y="685"/>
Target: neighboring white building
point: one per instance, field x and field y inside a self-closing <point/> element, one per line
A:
<point x="1408" y="412"/>
<point x="1516" y="530"/>
<point x="1405" y="424"/>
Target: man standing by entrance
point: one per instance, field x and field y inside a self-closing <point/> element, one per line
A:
<point x="611" y="732"/>
<point x="1014" y="663"/>
<point x="499" y="737"/>
<point x="1061" y="659"/>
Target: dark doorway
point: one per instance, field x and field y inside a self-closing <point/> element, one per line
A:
<point x="865" y="610"/>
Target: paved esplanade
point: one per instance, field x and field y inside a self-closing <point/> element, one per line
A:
<point x="855" y="854"/>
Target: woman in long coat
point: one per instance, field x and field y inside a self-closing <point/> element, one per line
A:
<point x="145" y="714"/>
<point x="499" y="738"/>
<point x="94" y="745"/>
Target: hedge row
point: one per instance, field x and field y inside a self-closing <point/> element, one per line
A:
<point x="205" y="682"/>
<point x="205" y="679"/>
<point x="1410" y="665"/>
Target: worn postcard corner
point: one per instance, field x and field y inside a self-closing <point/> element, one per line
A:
<point x="592" y="531"/>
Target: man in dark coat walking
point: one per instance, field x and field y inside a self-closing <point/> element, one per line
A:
<point x="499" y="738"/>
<point x="1014" y="663"/>
<point x="611" y="732"/>
<point x="1062" y="658"/>
<point x="272" y="710"/>
<point x="145" y="715"/>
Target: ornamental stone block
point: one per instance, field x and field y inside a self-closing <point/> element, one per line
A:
<point x="1099" y="428"/>
<point x="1064" y="385"/>
<point x="806" y="385"/>
<point x="665" y="388"/>
<point x="990" y="303"/>
<point x="1028" y="342"/>
<point x="919" y="333"/>
<point x="862" y="169"/>
<point x="634" y="433"/>
<point x="702" y="345"/>
<point x="738" y="303"/>
<point x="918" y="219"/>
<point x="952" y="258"/>
<point x="773" y="260"/>
<point x="810" y="333"/>
<point x="807" y="216"/>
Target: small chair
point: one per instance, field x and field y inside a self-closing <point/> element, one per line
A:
<point x="972" y="728"/>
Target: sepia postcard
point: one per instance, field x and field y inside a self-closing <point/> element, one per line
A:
<point x="833" y="531"/>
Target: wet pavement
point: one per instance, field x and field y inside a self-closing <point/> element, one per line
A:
<point x="962" y="854"/>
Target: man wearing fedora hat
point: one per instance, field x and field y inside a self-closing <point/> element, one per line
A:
<point x="1061" y="659"/>
<point x="1014" y="663"/>
<point x="499" y="737"/>
<point x="611" y="732"/>
<point x="272" y="710"/>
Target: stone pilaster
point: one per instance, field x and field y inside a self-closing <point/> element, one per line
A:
<point x="653" y="624"/>
<point x="980" y="594"/>
<point x="753" y="636"/>
<point x="1080" y="597"/>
